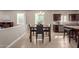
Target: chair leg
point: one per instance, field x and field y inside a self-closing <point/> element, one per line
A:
<point x="49" y="36"/>
<point x="42" y="38"/>
<point x="64" y="34"/>
<point x="69" y="36"/>
<point x="33" y="33"/>
<point x="76" y="37"/>
<point x="36" y="37"/>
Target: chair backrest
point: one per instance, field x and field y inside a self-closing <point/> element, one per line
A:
<point x="39" y="29"/>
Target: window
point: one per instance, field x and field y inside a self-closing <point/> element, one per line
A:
<point x="39" y="18"/>
<point x="64" y="18"/>
<point x="21" y="18"/>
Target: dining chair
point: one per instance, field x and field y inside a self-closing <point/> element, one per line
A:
<point x="40" y="31"/>
<point x="69" y="32"/>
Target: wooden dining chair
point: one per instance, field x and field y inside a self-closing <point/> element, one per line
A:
<point x="68" y="32"/>
<point x="49" y="25"/>
<point x="40" y="31"/>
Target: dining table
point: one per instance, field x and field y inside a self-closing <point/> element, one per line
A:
<point x="76" y="29"/>
<point x="45" y="29"/>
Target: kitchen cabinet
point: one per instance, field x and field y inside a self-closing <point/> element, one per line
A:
<point x="74" y="17"/>
<point x="56" y="17"/>
<point x="58" y="28"/>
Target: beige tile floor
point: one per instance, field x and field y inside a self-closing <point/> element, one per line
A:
<point x="57" y="41"/>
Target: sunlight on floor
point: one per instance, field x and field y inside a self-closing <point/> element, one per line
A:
<point x="58" y="37"/>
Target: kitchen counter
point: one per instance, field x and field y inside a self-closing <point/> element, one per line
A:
<point x="58" y="27"/>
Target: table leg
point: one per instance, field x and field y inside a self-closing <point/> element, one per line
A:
<point x="78" y="42"/>
<point x="30" y="36"/>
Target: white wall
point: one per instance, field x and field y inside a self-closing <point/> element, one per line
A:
<point x="30" y="15"/>
<point x="9" y="35"/>
<point x="9" y="14"/>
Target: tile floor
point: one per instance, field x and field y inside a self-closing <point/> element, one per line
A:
<point x="57" y="41"/>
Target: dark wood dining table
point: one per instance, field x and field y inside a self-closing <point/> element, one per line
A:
<point x="76" y="29"/>
<point x="45" y="29"/>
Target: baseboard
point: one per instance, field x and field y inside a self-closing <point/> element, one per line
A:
<point x="15" y="40"/>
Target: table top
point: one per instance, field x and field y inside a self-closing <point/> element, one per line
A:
<point x="44" y="28"/>
<point x="73" y="27"/>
